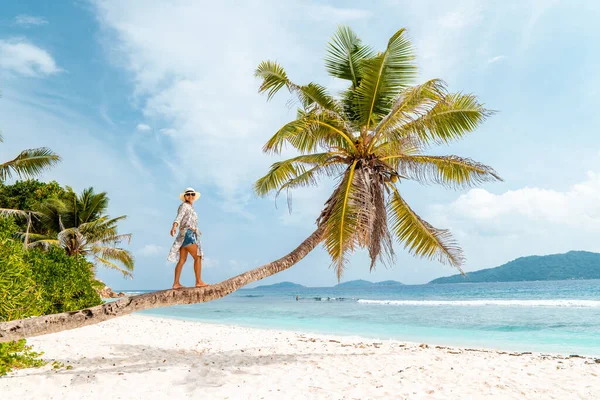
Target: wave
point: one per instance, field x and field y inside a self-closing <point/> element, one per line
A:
<point x="253" y="295"/>
<point x="567" y="303"/>
<point x="330" y="298"/>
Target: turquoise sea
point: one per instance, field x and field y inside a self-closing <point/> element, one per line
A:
<point x="550" y="317"/>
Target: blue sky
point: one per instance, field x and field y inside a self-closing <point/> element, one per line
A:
<point x="144" y="98"/>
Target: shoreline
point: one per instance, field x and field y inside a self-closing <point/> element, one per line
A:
<point x="351" y="336"/>
<point x="141" y="356"/>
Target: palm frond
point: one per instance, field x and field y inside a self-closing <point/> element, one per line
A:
<point x="90" y="205"/>
<point x="345" y="52"/>
<point x="450" y="171"/>
<point x="9" y="212"/>
<point x="310" y="132"/>
<point x="408" y="145"/>
<point x="29" y="163"/>
<point x="451" y="118"/>
<point x="114" y="253"/>
<point x="115" y="239"/>
<point x="108" y="264"/>
<point x="383" y="77"/>
<point x="312" y="96"/>
<point x="372" y="229"/>
<point x="44" y="244"/>
<point x="341" y="223"/>
<point x="419" y="237"/>
<point x="412" y="102"/>
<point x="284" y="171"/>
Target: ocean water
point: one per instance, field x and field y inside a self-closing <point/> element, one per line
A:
<point x="549" y="317"/>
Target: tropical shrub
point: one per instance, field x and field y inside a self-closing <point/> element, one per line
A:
<point x="66" y="282"/>
<point x="34" y="282"/>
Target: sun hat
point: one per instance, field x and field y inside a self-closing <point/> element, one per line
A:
<point x="189" y="190"/>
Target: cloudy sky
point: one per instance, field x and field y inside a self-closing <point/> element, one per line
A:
<point x="143" y="98"/>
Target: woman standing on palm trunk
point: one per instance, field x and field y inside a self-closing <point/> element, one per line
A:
<point x="186" y="241"/>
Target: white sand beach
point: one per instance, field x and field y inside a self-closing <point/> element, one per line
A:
<point x="141" y="357"/>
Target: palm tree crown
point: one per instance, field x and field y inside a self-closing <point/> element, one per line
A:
<point x="79" y="224"/>
<point x="371" y="138"/>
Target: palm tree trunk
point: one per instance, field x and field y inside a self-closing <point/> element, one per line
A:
<point x="26" y="241"/>
<point x="24" y="328"/>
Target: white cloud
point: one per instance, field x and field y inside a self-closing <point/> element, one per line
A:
<point x="143" y="128"/>
<point x="20" y="56"/>
<point x="208" y="94"/>
<point x="575" y="208"/>
<point x="523" y="222"/>
<point x="496" y="59"/>
<point x="150" y="250"/>
<point x="30" y="20"/>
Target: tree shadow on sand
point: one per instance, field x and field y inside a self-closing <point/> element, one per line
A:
<point x="214" y="369"/>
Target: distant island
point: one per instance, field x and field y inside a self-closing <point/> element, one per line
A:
<point x="360" y="283"/>
<point x="281" y="285"/>
<point x="571" y="265"/>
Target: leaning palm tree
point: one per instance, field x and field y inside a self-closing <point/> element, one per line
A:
<point x="80" y="226"/>
<point x="28" y="164"/>
<point x="371" y="138"/>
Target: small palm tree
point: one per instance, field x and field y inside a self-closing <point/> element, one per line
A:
<point x="371" y="139"/>
<point x="28" y="164"/>
<point x="79" y="225"/>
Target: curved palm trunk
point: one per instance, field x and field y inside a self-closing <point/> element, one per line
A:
<point x="24" y="328"/>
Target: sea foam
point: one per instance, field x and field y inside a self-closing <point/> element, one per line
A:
<point x="491" y="302"/>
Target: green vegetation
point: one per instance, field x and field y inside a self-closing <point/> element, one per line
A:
<point x="29" y="195"/>
<point x="35" y="282"/>
<point x="571" y="265"/>
<point x="371" y="138"/>
<point x="79" y="224"/>
<point x="16" y="355"/>
<point x="40" y="281"/>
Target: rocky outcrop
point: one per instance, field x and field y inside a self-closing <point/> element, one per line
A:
<point x="107" y="293"/>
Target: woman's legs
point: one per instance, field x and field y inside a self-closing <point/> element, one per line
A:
<point x="193" y="250"/>
<point x="183" y="253"/>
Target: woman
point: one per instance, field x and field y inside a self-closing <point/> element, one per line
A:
<point x="187" y="241"/>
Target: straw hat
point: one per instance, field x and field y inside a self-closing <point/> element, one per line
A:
<point x="189" y="190"/>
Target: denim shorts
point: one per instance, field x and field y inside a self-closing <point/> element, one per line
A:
<point x="189" y="238"/>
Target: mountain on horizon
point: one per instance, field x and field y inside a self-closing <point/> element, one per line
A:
<point x="361" y="283"/>
<point x="281" y="285"/>
<point x="571" y="265"/>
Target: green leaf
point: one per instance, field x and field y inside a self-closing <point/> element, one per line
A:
<point x="341" y="223"/>
<point x="345" y="52"/>
<point x="452" y="118"/>
<point x="383" y="77"/>
<point x="419" y="237"/>
<point x="29" y="163"/>
<point x="450" y="171"/>
<point x="285" y="171"/>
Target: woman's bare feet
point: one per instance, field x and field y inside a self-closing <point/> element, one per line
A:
<point x="177" y="286"/>
<point x="201" y="284"/>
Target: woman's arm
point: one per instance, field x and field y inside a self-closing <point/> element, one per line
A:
<point x="177" y="222"/>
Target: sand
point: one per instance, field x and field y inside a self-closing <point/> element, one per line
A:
<point x="141" y="357"/>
